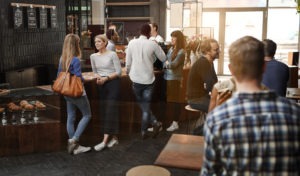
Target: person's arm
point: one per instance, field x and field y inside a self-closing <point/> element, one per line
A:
<point x="77" y="68"/>
<point x="217" y="97"/>
<point x="208" y="76"/>
<point x="92" y="60"/>
<point x="128" y="59"/>
<point x="223" y="96"/>
<point x="178" y="61"/>
<point x="213" y="99"/>
<point x="117" y="65"/>
<point x="159" y="52"/>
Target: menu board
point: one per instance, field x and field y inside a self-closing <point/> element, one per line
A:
<point x="18" y="17"/>
<point x="31" y="18"/>
<point x="43" y="18"/>
<point x="53" y="17"/>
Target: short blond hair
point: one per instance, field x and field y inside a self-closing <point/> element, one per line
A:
<point x="102" y="37"/>
<point x="246" y="57"/>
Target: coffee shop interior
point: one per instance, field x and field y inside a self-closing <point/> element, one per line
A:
<point x="33" y="140"/>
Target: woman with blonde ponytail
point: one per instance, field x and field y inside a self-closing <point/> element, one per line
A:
<point x="70" y="58"/>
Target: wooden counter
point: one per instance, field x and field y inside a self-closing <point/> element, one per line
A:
<point x="129" y="111"/>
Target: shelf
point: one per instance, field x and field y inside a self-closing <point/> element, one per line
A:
<point x="127" y="18"/>
<point x="127" y="3"/>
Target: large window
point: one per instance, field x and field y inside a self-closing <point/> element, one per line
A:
<point x="284" y="32"/>
<point x="230" y="19"/>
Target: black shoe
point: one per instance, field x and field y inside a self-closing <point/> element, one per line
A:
<point x="156" y="129"/>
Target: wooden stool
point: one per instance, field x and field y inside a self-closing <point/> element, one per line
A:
<point x="148" y="170"/>
<point x="200" y="120"/>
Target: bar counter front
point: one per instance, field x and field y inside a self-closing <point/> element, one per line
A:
<point x="50" y="134"/>
<point x="129" y="111"/>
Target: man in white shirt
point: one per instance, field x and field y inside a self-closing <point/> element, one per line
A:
<point x="140" y="56"/>
<point x="154" y="33"/>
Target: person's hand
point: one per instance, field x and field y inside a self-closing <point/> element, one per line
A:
<point x="223" y="96"/>
<point x="101" y="80"/>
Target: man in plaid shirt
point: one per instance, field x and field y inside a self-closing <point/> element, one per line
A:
<point x="255" y="132"/>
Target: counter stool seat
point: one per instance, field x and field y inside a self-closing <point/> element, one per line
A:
<point x="200" y="120"/>
<point x="148" y="170"/>
<point x="189" y="108"/>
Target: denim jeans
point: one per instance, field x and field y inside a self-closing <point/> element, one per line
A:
<point x="82" y="103"/>
<point x="143" y="94"/>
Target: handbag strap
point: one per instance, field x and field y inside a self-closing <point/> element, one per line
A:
<point x="69" y="66"/>
<point x="67" y="71"/>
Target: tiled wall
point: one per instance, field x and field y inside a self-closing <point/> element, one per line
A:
<point x="22" y="48"/>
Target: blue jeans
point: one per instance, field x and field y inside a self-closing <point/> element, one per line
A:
<point x="82" y="103"/>
<point x="143" y="94"/>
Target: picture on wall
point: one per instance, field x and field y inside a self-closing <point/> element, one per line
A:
<point x="120" y="31"/>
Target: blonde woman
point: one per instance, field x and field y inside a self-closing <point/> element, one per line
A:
<point x="106" y="65"/>
<point x="71" y="58"/>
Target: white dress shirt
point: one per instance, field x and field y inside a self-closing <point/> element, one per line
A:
<point x="140" y="56"/>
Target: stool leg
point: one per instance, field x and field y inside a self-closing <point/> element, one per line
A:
<point x="198" y="122"/>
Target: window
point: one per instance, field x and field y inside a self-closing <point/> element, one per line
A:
<point x="224" y="16"/>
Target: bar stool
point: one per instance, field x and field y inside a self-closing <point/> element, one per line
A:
<point x="199" y="121"/>
<point x="148" y="170"/>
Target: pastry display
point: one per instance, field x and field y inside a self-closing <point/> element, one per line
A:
<point x="2" y="109"/>
<point x="13" y="107"/>
<point x="40" y="105"/>
<point x="26" y="105"/>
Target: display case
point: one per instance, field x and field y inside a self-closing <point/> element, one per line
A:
<point x="30" y="120"/>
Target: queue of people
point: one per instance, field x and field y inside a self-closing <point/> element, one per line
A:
<point x="250" y="127"/>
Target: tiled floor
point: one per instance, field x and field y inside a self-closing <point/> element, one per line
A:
<point x="130" y="152"/>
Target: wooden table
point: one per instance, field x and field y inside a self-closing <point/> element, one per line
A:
<point x="182" y="151"/>
<point x="148" y="170"/>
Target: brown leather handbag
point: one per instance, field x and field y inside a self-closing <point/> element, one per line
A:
<point x="68" y="85"/>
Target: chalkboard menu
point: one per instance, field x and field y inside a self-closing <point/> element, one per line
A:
<point x="43" y="18"/>
<point x="18" y="17"/>
<point x="53" y="17"/>
<point x="31" y="18"/>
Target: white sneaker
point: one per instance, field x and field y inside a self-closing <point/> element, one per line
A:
<point x="81" y="149"/>
<point x="174" y="126"/>
<point x="100" y="146"/>
<point x="112" y="142"/>
<point x="150" y="129"/>
<point x="71" y="145"/>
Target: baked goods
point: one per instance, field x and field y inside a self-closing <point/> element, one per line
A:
<point x="23" y="103"/>
<point x="40" y="105"/>
<point x="29" y="107"/>
<point x="13" y="107"/>
<point x="2" y="110"/>
<point x="26" y="105"/>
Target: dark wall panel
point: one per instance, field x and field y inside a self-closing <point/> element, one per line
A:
<point x="23" y="48"/>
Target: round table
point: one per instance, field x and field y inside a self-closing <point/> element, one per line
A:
<point x="148" y="170"/>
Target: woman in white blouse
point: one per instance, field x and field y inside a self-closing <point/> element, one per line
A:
<point x="106" y="65"/>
